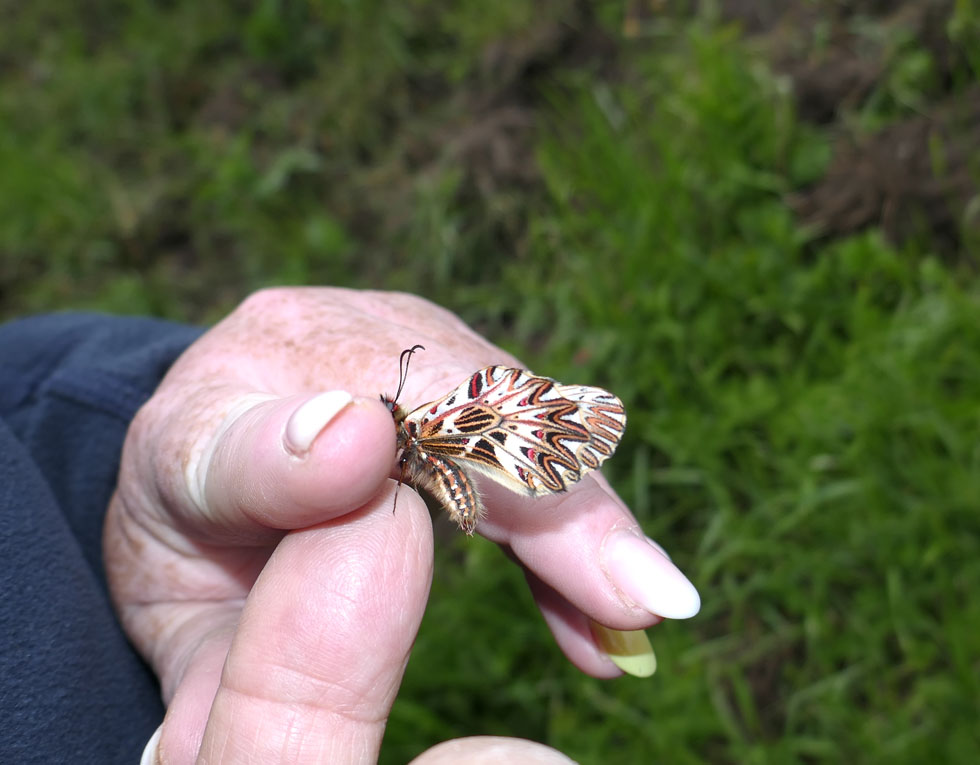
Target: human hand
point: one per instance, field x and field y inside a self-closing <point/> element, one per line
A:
<point x="251" y="549"/>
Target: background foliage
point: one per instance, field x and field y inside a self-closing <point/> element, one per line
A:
<point x="758" y="223"/>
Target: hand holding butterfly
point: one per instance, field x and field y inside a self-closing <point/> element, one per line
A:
<point x="255" y="561"/>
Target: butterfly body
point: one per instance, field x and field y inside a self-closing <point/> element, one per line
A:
<point x="531" y="434"/>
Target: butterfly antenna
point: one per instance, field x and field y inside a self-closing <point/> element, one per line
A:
<point x="403" y="367"/>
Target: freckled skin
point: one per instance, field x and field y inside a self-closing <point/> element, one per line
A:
<point x="249" y="575"/>
<point x="159" y="542"/>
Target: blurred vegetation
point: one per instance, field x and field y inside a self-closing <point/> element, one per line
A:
<point x="760" y="228"/>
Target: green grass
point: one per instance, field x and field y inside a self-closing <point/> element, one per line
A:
<point x="804" y="413"/>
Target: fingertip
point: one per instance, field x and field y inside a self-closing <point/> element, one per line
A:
<point x="639" y="569"/>
<point x="298" y="461"/>
<point x="151" y="754"/>
<point x="347" y="459"/>
<point x="485" y="750"/>
<point x="311" y="418"/>
<point x="324" y="639"/>
<point x="573" y="632"/>
<point x="630" y="650"/>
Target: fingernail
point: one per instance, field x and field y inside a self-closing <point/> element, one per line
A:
<point x="307" y="422"/>
<point x="647" y="577"/>
<point x="150" y="752"/>
<point x="630" y="650"/>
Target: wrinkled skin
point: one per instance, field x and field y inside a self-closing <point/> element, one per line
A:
<point x="275" y="594"/>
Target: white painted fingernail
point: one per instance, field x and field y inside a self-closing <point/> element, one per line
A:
<point x="150" y="752"/>
<point x="307" y="422"/>
<point x="647" y="577"/>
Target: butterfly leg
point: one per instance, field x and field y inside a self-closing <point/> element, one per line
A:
<point x="402" y="468"/>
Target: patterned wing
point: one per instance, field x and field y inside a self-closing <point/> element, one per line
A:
<point x="528" y="433"/>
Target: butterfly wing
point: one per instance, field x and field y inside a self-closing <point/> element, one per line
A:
<point x="529" y="433"/>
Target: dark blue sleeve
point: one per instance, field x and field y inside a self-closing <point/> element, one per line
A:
<point x="73" y="689"/>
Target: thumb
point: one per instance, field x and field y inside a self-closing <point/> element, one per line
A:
<point x="324" y="638"/>
<point x="292" y="462"/>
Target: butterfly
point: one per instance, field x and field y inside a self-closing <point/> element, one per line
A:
<point x="530" y="434"/>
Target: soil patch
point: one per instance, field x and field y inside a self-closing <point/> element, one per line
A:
<point x="912" y="178"/>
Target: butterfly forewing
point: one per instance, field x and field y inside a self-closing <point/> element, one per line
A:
<point x="526" y="432"/>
